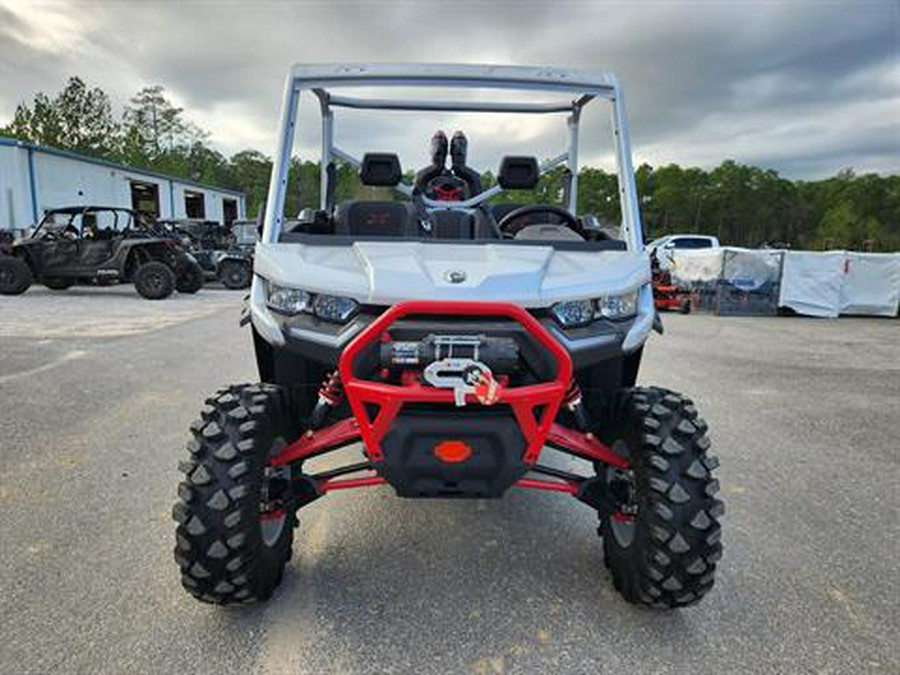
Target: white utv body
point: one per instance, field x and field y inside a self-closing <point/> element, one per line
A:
<point x="454" y="340"/>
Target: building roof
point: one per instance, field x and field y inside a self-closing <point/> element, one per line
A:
<point x="46" y="149"/>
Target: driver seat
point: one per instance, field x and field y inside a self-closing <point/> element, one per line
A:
<point x="377" y="218"/>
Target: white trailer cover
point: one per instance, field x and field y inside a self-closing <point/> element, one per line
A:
<point x="871" y="284"/>
<point x="751" y="269"/>
<point x="692" y="265"/>
<point x="811" y="282"/>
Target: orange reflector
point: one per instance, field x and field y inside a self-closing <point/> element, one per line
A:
<point x="452" y="452"/>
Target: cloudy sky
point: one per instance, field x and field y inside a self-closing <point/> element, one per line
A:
<point x="807" y="88"/>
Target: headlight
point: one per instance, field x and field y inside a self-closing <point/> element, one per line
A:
<point x="572" y="313"/>
<point x="334" y="308"/>
<point x="287" y="300"/>
<point x="617" y="306"/>
<point x="292" y="301"/>
<point x="576" y="313"/>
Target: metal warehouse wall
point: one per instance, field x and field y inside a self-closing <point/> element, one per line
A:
<point x="212" y="201"/>
<point x="63" y="180"/>
<point x="15" y="193"/>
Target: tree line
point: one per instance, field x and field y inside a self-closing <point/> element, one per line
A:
<point x="742" y="205"/>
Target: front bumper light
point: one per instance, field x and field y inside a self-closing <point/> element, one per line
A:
<point x="286" y="300"/>
<point x="618" y="306"/>
<point x="334" y="308"/>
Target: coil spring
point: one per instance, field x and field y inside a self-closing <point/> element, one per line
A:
<point x="572" y="397"/>
<point x="331" y="389"/>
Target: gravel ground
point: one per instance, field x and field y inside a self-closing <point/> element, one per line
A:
<point x="98" y="386"/>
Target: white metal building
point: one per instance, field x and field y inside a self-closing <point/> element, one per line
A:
<point x="34" y="178"/>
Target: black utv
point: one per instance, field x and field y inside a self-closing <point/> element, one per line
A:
<point x="99" y="245"/>
<point x="221" y="250"/>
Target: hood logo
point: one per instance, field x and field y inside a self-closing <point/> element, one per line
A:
<point x="455" y="276"/>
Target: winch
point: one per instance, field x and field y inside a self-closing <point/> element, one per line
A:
<point x="464" y="363"/>
<point x="500" y="354"/>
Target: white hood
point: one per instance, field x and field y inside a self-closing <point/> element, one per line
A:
<point x="385" y="273"/>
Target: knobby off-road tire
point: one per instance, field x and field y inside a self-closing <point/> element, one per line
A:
<point x="227" y="550"/>
<point x="154" y="280"/>
<point x="190" y="280"/>
<point x="235" y="275"/>
<point x="15" y="275"/>
<point x="666" y="555"/>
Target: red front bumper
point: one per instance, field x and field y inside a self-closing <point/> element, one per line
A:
<point x="376" y="405"/>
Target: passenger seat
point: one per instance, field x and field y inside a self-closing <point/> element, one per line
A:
<point x="381" y="219"/>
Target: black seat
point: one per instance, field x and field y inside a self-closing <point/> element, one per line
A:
<point x="384" y="219"/>
<point x="450" y="224"/>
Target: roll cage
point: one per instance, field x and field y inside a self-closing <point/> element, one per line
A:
<point x="584" y="87"/>
<point x="130" y="220"/>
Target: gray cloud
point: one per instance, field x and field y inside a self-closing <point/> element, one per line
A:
<point x="805" y="88"/>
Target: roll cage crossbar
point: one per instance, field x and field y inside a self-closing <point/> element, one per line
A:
<point x="582" y="86"/>
<point x="129" y="217"/>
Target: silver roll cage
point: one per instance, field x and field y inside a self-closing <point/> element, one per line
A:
<point x="583" y="86"/>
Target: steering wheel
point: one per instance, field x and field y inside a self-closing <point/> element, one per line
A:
<point x="508" y="229"/>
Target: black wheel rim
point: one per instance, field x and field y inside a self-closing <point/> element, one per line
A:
<point x="236" y="276"/>
<point x="7" y="277"/>
<point x="155" y="281"/>
<point x="272" y="516"/>
<point x="623" y="525"/>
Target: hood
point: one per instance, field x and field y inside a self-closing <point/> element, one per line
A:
<point x="390" y="272"/>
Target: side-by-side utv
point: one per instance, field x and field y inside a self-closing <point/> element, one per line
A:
<point x="456" y="341"/>
<point x="99" y="245"/>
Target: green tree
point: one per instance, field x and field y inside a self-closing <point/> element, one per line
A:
<point x="153" y="124"/>
<point x="249" y="171"/>
<point x="846" y="228"/>
<point x="78" y="119"/>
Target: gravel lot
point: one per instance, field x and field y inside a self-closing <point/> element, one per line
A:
<point x="98" y="386"/>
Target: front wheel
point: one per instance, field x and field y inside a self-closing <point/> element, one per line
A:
<point x="190" y="280"/>
<point x="235" y="528"/>
<point x="15" y="275"/>
<point x="663" y="542"/>
<point x="154" y="280"/>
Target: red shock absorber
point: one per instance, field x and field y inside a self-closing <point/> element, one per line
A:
<point x="572" y="401"/>
<point x="331" y="393"/>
